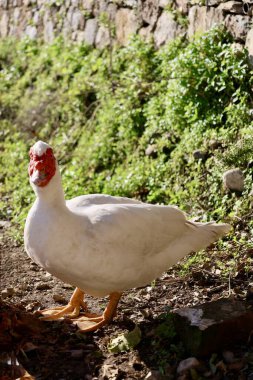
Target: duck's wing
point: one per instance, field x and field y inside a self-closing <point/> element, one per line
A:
<point x="98" y="199"/>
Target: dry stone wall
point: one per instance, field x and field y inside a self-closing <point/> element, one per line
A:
<point x="101" y="22"/>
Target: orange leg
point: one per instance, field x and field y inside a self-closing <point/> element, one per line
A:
<point x="89" y="323"/>
<point x="85" y="321"/>
<point x="72" y="309"/>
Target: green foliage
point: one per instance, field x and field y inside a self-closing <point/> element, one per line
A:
<point x="101" y="110"/>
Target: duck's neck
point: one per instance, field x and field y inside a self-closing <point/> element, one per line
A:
<point x="52" y="194"/>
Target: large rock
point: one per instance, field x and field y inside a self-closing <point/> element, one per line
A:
<point x="202" y="19"/>
<point x="213" y="326"/>
<point x="150" y="11"/>
<point x="167" y="29"/>
<point x="102" y="38"/>
<point x="4" y="24"/>
<point x="90" y="31"/>
<point x="233" y="180"/>
<point x="249" y="45"/>
<point x="77" y="21"/>
<point x="127" y="23"/>
<point x="232" y="7"/>
<point x="238" y="26"/>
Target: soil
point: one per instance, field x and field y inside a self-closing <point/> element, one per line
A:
<point x="57" y="351"/>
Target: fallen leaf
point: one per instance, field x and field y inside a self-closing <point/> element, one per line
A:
<point x="125" y="342"/>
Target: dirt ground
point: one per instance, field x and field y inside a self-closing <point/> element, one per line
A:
<point x="60" y="352"/>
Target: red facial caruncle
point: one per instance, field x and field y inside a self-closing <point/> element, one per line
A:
<point x="41" y="168"/>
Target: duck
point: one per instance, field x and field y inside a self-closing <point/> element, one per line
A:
<point x="100" y="244"/>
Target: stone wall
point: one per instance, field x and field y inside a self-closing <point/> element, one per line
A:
<point x="100" y="22"/>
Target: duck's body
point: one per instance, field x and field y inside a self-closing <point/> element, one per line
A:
<point x="103" y="244"/>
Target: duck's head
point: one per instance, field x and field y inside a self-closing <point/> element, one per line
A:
<point x="42" y="166"/>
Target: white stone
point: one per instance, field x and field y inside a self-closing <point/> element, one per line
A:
<point x="4" y="24"/>
<point x="49" y="31"/>
<point x="88" y="4"/>
<point x="150" y="10"/>
<point x="249" y="45"/>
<point x="231" y="7"/>
<point x="31" y="32"/>
<point x="238" y="26"/>
<point x="166" y="30"/>
<point x="102" y="38"/>
<point x="78" y="20"/>
<point x="233" y="179"/>
<point x="90" y="31"/>
<point x="201" y="19"/>
<point x="127" y="23"/>
<point x="187" y="364"/>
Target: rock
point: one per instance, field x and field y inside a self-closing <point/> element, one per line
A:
<point x="238" y="26"/>
<point x="4" y="224"/>
<point x="202" y="19"/>
<point x="164" y="3"/>
<point x="199" y="155"/>
<point x="232" y="7"/>
<point x="212" y="326"/>
<point x="127" y="23"/>
<point x="182" y="6"/>
<point x="233" y="180"/>
<point x="146" y="33"/>
<point x="228" y="356"/>
<point x="4" y="24"/>
<point x="249" y="45"/>
<point x="187" y="364"/>
<point x="8" y="292"/>
<point x="151" y="150"/>
<point x="59" y="298"/>
<point x="77" y="21"/>
<point x="90" y="31"/>
<point x="166" y="30"/>
<point x="150" y="11"/>
<point x="88" y="4"/>
<point x="42" y="286"/>
<point x="214" y="144"/>
<point x="31" y="32"/>
<point x="49" y="31"/>
<point x="102" y="38"/>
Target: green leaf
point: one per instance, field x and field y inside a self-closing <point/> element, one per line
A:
<point x="125" y="342"/>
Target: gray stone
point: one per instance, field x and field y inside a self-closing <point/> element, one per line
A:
<point x="4" y="4"/>
<point x="16" y="15"/>
<point x="187" y="364"/>
<point x="31" y="31"/>
<point x="166" y="30"/>
<point x="49" y="31"/>
<point x="202" y="19"/>
<point x="214" y="326"/>
<point x="75" y="3"/>
<point x="78" y="20"/>
<point x="164" y="3"/>
<point x="4" y="224"/>
<point x="127" y="23"/>
<point x="212" y="3"/>
<point x="100" y="7"/>
<point x="249" y="45"/>
<point x="88" y="4"/>
<point x="90" y="31"/>
<point x="238" y="26"/>
<point x="232" y="7"/>
<point x="102" y="38"/>
<point x="146" y="33"/>
<point x="4" y="24"/>
<point x="233" y="180"/>
<point x="182" y="6"/>
<point x="150" y="11"/>
<point x="36" y="18"/>
<point x="151" y="150"/>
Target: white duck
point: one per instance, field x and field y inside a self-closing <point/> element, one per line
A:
<point x="102" y="244"/>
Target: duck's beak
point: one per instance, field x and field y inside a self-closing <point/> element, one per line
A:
<point x="39" y="178"/>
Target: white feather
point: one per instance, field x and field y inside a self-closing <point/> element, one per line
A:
<point x="104" y="244"/>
